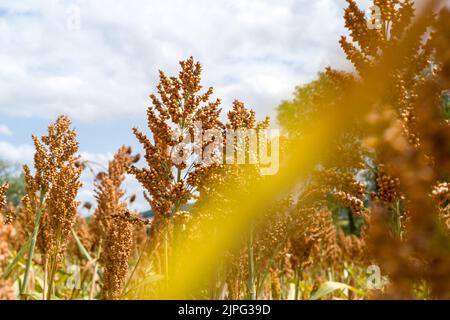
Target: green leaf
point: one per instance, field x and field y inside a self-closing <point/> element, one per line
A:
<point x="82" y="249"/>
<point x="16" y="259"/>
<point x="331" y="286"/>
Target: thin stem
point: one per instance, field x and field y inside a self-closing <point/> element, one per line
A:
<point x="297" y="282"/>
<point x="54" y="264"/>
<point x="51" y="278"/>
<point x="94" y="276"/>
<point x="44" y="290"/>
<point x="80" y="246"/>
<point x="166" y="252"/>
<point x="251" y="267"/>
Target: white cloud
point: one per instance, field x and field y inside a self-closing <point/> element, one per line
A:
<point x="97" y="159"/>
<point x="254" y="50"/>
<point x="4" y="130"/>
<point x="22" y="154"/>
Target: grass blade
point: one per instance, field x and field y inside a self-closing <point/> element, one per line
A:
<point x="331" y="286"/>
<point x="16" y="259"/>
<point x="81" y="247"/>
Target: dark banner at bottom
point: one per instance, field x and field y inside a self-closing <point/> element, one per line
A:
<point x="198" y="309"/>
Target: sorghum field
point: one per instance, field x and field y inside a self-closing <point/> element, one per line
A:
<point x="350" y="200"/>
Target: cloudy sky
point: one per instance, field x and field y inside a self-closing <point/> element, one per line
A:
<point x="97" y="61"/>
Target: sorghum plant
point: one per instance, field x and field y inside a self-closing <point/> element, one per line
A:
<point x="50" y="198"/>
<point x="409" y="141"/>
<point x="112" y="226"/>
<point x="172" y="116"/>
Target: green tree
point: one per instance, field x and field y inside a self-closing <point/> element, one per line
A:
<point x="334" y="184"/>
<point x="11" y="174"/>
<point x="293" y="114"/>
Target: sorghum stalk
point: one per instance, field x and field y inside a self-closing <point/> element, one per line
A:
<point x="297" y="282"/>
<point x="166" y="250"/>
<point x="94" y="275"/>
<point x="53" y="267"/>
<point x="32" y="246"/>
<point x="251" y="267"/>
<point x="44" y="290"/>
